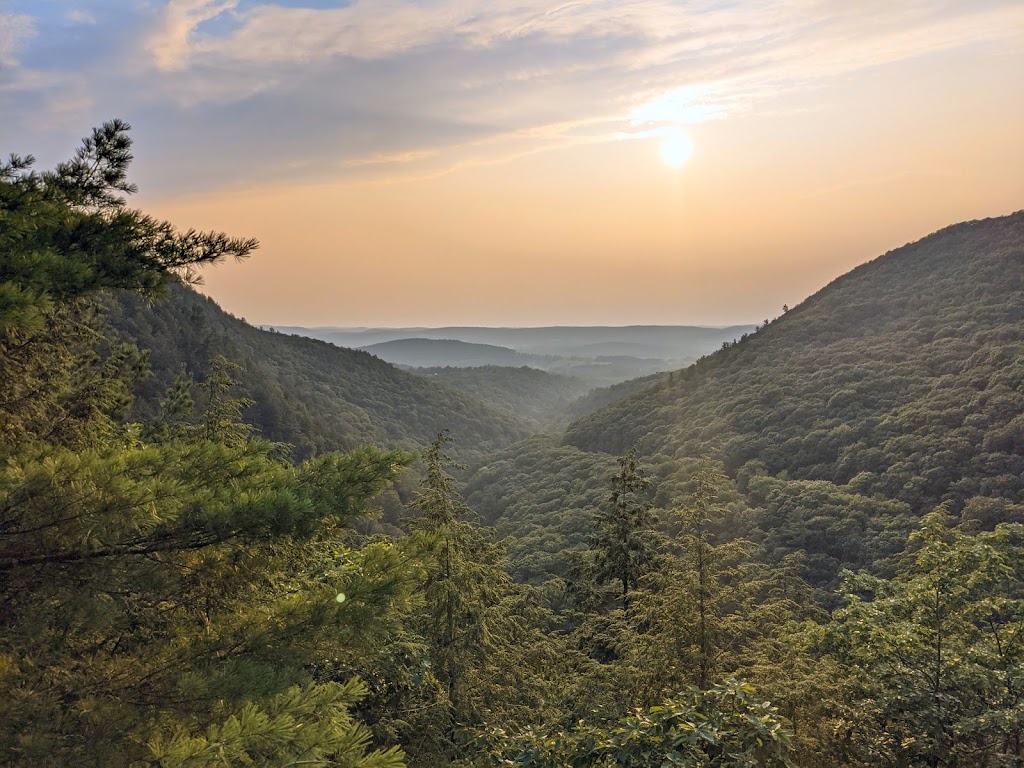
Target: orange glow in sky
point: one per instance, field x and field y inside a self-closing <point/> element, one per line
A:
<point x="522" y="163"/>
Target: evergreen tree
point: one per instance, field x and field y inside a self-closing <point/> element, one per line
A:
<point x="466" y="582"/>
<point x="68" y="233"/>
<point x="712" y="610"/>
<point x="623" y="546"/>
<point x="163" y="592"/>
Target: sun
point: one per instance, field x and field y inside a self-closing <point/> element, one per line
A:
<point x="676" y="150"/>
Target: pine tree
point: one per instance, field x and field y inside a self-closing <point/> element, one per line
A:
<point x="712" y="609"/>
<point x="163" y="592"/>
<point x="465" y="583"/>
<point x="623" y="546"/>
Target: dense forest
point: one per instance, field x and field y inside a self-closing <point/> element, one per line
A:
<point x="902" y="378"/>
<point x="804" y="550"/>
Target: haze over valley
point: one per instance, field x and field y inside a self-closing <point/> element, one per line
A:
<point x="599" y="356"/>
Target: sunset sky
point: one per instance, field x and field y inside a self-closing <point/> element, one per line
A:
<point x="499" y="162"/>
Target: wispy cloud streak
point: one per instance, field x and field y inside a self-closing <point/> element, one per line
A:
<point x="389" y="84"/>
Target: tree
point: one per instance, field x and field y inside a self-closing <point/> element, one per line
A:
<point x="308" y="727"/>
<point x="937" y="652"/>
<point x="689" y="614"/>
<point x="712" y="610"/>
<point x="164" y="592"/>
<point x="623" y="547"/>
<point x="68" y="233"/>
<point x="466" y="582"/>
<point x="724" y="726"/>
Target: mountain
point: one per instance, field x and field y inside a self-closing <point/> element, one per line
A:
<point x="896" y="377"/>
<point x="598" y="369"/>
<point x="897" y="387"/>
<point x="667" y="342"/>
<point x="601" y="355"/>
<point x="544" y="399"/>
<point x="428" y="353"/>
<point x="308" y="393"/>
<point x="540" y="495"/>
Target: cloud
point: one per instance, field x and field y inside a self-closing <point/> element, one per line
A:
<point x="80" y="16"/>
<point x="16" y="29"/>
<point x="233" y="91"/>
<point x="170" y="44"/>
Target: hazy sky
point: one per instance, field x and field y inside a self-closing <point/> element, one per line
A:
<point x="497" y="162"/>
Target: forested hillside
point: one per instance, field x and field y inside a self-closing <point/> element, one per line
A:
<point x="903" y="378"/>
<point x="895" y="388"/>
<point x="308" y="393"/>
<point x="601" y="396"/>
<point x="542" y="495"/>
<point x="168" y="584"/>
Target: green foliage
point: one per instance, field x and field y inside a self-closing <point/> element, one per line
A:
<point x="937" y="652"/>
<point x="166" y="588"/>
<point x="297" y="727"/>
<point x="834" y="527"/>
<point x="540" y="398"/>
<point x="724" y="726"/>
<point x="64" y="235"/>
<point x="708" y="605"/>
<point x="541" y="497"/>
<point x="622" y="547"/>
<point x="67" y="233"/>
<point x="177" y="592"/>
<point x="463" y="585"/>
<point x="601" y="396"/>
<point x="469" y="649"/>
<point x="63" y="383"/>
<point x="839" y="424"/>
<point x="147" y="580"/>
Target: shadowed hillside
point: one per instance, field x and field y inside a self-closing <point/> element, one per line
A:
<point x="308" y="393"/>
<point x="601" y="396"/>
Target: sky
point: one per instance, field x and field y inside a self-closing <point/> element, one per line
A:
<point x="521" y="163"/>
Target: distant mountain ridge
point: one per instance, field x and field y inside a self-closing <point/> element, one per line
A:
<point x="602" y="355"/>
<point x="665" y="341"/>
